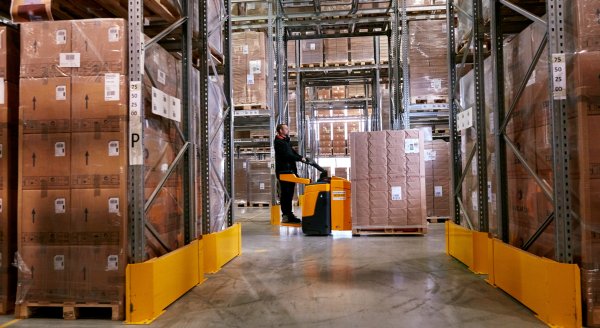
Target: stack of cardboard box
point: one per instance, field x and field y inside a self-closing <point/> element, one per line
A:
<point x="291" y="54"/>
<point x="325" y="132"/>
<point x="292" y="112"/>
<point x="428" y="61"/>
<point x="9" y="102"/>
<point x="311" y="52"/>
<point x="437" y="178"/>
<point x="388" y="180"/>
<point x="241" y="180"/>
<point x="362" y="50"/>
<point x="259" y="190"/>
<point x="73" y="179"/>
<point x="341" y="172"/>
<point x="336" y="51"/>
<point x="250" y="8"/>
<point x="339" y="139"/>
<point x="249" y="69"/>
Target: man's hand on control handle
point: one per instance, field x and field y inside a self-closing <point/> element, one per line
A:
<point x="303" y="160"/>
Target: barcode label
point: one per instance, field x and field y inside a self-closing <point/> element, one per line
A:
<point x="162" y="77"/>
<point x="112" y="263"/>
<point x="60" y="206"/>
<point x="255" y="66"/>
<point x="71" y="59"/>
<point x="397" y="193"/>
<point x="157" y="103"/>
<point x="411" y="146"/>
<point x="465" y="119"/>
<point x="250" y="79"/>
<point x="61" y="92"/>
<point x="111" y="86"/>
<point x="113" y="34"/>
<point x="261" y="186"/>
<point x="559" y="76"/>
<point x="312" y="46"/>
<point x="59" y="263"/>
<point x="59" y="149"/>
<point x="175" y="109"/>
<point x="245" y="49"/>
<point x="113" y="148"/>
<point x="438" y="191"/>
<point x="113" y="205"/>
<point x="61" y="37"/>
<point x="1" y="207"/>
<point x="430" y="155"/>
<point x="2" y="91"/>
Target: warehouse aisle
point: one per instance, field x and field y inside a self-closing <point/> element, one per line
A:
<point x="288" y="280"/>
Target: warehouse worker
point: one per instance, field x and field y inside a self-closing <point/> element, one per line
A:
<point x="285" y="162"/>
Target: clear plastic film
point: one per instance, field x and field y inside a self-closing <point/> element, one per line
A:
<point x="73" y="109"/>
<point x="249" y="69"/>
<point x="216" y="15"/>
<point x="217" y="190"/>
<point x="437" y="178"/>
<point x="428" y="61"/>
<point x="311" y="52"/>
<point x="390" y="184"/>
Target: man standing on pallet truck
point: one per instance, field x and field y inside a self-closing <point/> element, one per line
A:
<point x="285" y="162"/>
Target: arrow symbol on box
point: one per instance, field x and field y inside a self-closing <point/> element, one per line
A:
<point x="87" y="157"/>
<point x="86" y="214"/>
<point x="33" y="157"/>
<point x="34" y="102"/>
<point x="86" y="101"/>
<point x="33" y="216"/>
<point x="35" y="46"/>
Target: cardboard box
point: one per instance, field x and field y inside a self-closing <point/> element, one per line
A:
<point x="336" y="51"/>
<point x="46" y="161"/>
<point x="311" y="52"/>
<point x="99" y="103"/>
<point x="9" y="54"/>
<point x="241" y="180"/>
<point x="102" y="45"/>
<point x="42" y="44"/>
<point x="45" y="105"/>
<point x="44" y="276"/>
<point x="98" y="216"/>
<point x="99" y="160"/>
<point x="45" y="217"/>
<point x="249" y="68"/>
<point x="97" y="274"/>
<point x="362" y="50"/>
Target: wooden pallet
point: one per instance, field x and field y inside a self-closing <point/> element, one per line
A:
<point x="70" y="310"/>
<point x="388" y="231"/>
<point x="436" y="100"/>
<point x="437" y="219"/>
<point x="337" y="64"/>
<point x="259" y="204"/>
<point x="258" y="136"/>
<point x="362" y="63"/>
<point x="313" y="65"/>
<point x="242" y="204"/>
<point x="248" y="106"/>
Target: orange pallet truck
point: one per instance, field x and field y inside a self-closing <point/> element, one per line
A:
<point x="326" y="202"/>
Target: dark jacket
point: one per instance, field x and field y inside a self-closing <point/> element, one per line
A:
<point x="285" y="156"/>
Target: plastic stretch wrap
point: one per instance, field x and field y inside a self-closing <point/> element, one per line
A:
<point x="216" y="150"/>
<point x="464" y="28"/>
<point x="9" y="115"/>
<point x="259" y="189"/>
<point x="240" y="179"/>
<point x="390" y="184"/>
<point x="437" y="178"/>
<point x="250" y="8"/>
<point x="216" y="13"/>
<point x="428" y="61"/>
<point x="249" y="69"/>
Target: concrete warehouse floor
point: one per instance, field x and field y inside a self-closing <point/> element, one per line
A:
<point x="284" y="279"/>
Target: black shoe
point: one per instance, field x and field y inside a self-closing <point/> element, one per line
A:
<point x="290" y="219"/>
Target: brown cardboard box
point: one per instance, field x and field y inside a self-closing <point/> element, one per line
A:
<point x="45" y="217"/>
<point x="97" y="274"/>
<point x="45" y="105"/>
<point x="44" y="274"/>
<point x="98" y="160"/>
<point x="9" y="54"/>
<point x="249" y="68"/>
<point x="42" y="44"/>
<point x="336" y="51"/>
<point x="98" y="103"/>
<point x="46" y="161"/>
<point x="98" y="216"/>
<point x="166" y="216"/>
<point x="102" y="45"/>
<point x="311" y="52"/>
<point x="361" y="50"/>
<point x="241" y="180"/>
<point x="162" y="68"/>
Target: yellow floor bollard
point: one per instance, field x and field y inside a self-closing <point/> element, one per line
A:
<point x="275" y="214"/>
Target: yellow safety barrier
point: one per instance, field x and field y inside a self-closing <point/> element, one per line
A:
<point x="222" y="247"/>
<point x="551" y="289"/>
<point x="156" y="283"/>
<point x="275" y="214"/>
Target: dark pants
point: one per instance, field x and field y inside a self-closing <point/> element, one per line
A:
<point x="286" y="195"/>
